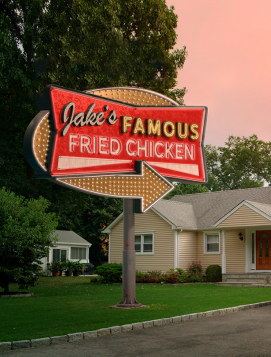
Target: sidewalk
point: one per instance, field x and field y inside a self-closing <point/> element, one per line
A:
<point x="244" y="333"/>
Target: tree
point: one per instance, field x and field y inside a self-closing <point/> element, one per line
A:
<point x="99" y="212"/>
<point x="79" y="44"/>
<point x="186" y="189"/>
<point x="241" y="163"/>
<point x="25" y="238"/>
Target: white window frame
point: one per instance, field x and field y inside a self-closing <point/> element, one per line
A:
<point x="142" y="242"/>
<point x="61" y="249"/>
<point x="206" y="234"/>
<point x="78" y="258"/>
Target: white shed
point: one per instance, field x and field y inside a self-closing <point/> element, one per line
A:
<point x="69" y="246"/>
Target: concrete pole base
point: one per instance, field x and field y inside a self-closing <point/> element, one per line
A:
<point x="123" y="305"/>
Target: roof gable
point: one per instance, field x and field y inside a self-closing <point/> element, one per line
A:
<point x="246" y="213"/>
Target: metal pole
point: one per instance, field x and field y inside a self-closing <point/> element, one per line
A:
<point x="128" y="264"/>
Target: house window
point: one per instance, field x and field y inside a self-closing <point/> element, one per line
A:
<point x="59" y="254"/>
<point x="144" y="243"/>
<point x="78" y="253"/>
<point x="212" y="243"/>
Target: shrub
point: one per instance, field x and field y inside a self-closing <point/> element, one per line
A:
<point x="96" y="279"/>
<point x="195" y="268"/>
<point x="141" y="277"/>
<point x="171" y="276"/>
<point x="56" y="266"/>
<point x="111" y="272"/>
<point x="213" y="273"/>
<point x="175" y="276"/>
<point x="154" y="272"/>
<point x="195" y="272"/>
<point x="182" y="276"/>
<point x="77" y="266"/>
<point x="195" y="278"/>
<point x="153" y="276"/>
<point x="69" y="266"/>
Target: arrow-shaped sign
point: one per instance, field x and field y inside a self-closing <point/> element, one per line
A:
<point x="146" y="187"/>
<point x="90" y="134"/>
<point x="123" y="148"/>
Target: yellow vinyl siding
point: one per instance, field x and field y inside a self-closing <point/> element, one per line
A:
<point x="244" y="217"/>
<point x="163" y="257"/>
<point x="187" y="248"/>
<point x="207" y="259"/>
<point x="116" y="243"/>
<point x="235" y="252"/>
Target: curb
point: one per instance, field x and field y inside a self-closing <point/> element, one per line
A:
<point x="16" y="295"/>
<point x="124" y="328"/>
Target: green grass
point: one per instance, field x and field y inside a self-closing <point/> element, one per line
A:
<point x="71" y="304"/>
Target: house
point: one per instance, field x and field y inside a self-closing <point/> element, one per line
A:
<point x="69" y="246"/>
<point x="229" y="228"/>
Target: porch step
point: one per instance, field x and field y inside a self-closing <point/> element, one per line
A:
<point x="248" y="279"/>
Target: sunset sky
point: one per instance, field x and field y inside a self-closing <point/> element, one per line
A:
<point x="228" y="67"/>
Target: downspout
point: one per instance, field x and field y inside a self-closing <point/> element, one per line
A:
<point x="176" y="247"/>
<point x="109" y="248"/>
<point x="223" y="253"/>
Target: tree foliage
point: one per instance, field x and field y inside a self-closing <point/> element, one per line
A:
<point x="25" y="238"/>
<point x="79" y="44"/>
<point x="98" y="214"/>
<point x="186" y="189"/>
<point x="241" y="163"/>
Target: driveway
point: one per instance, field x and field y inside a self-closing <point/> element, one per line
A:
<point x="243" y="333"/>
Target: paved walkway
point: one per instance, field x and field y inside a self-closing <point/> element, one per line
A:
<point x="243" y="333"/>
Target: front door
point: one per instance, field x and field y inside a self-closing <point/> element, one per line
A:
<point x="263" y="250"/>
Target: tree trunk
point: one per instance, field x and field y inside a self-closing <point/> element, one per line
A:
<point x="6" y="288"/>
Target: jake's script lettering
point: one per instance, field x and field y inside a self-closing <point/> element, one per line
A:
<point x="87" y="118"/>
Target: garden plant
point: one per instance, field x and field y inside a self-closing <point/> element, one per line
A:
<point x="110" y="272"/>
<point x="195" y="272"/>
<point x="213" y="273"/>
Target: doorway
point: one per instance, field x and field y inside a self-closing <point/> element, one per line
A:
<point x="263" y="250"/>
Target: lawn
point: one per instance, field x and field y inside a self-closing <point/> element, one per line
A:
<point x="65" y="305"/>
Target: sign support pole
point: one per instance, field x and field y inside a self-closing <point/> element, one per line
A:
<point x="128" y="265"/>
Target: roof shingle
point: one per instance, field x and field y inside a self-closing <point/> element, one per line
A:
<point x="202" y="210"/>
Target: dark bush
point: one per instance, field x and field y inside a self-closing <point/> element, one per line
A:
<point x="170" y="277"/>
<point x="141" y="277"/>
<point x="182" y="276"/>
<point x="149" y="277"/>
<point x="175" y="276"/>
<point x="213" y="273"/>
<point x="111" y="272"/>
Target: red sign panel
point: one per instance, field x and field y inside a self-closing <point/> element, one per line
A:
<point x="94" y="135"/>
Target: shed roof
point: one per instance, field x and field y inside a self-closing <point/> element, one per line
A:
<point x="70" y="237"/>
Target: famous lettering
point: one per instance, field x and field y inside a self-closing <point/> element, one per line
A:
<point x="137" y="125"/>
